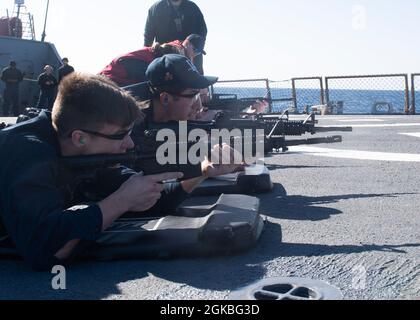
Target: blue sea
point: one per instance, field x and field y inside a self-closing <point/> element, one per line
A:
<point x="354" y="101"/>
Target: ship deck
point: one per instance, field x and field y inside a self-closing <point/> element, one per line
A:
<point x="337" y="211"/>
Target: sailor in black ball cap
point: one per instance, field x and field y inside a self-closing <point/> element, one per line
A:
<point x="175" y="85"/>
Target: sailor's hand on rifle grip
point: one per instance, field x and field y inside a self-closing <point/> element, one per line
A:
<point x="142" y="192"/>
<point x="207" y="115"/>
<point x="258" y="107"/>
<point x="224" y="160"/>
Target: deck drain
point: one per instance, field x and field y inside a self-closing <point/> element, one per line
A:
<point x="287" y="289"/>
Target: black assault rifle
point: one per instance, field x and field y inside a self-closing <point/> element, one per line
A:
<point x="78" y="174"/>
<point x="274" y="129"/>
<point x="230" y="103"/>
<point x="276" y="124"/>
<point x="136" y="160"/>
<point x="272" y="144"/>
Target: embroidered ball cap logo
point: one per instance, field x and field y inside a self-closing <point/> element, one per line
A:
<point x="175" y="73"/>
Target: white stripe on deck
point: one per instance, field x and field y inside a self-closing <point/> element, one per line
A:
<point x="412" y="134"/>
<point x="358" y="155"/>
<point x="362" y="120"/>
<point x="386" y="125"/>
<point x="349" y="118"/>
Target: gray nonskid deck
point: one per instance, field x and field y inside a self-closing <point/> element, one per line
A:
<point x="353" y="223"/>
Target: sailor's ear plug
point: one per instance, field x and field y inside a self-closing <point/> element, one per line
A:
<point x="82" y="141"/>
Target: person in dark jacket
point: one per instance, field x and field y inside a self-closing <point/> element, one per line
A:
<point x="48" y="84"/>
<point x="64" y="70"/>
<point x="50" y="223"/>
<point x="170" y="20"/>
<point x="12" y="77"/>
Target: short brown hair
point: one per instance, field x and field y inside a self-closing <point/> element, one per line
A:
<point x="160" y="50"/>
<point x="87" y="101"/>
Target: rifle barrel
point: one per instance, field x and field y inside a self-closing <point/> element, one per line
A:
<point x="298" y="142"/>
<point x="337" y="129"/>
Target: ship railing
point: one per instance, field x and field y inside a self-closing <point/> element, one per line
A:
<point x="354" y="94"/>
<point x="375" y="94"/>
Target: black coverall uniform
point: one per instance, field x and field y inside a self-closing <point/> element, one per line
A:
<point x="48" y="84"/>
<point x="166" y="23"/>
<point x="12" y="78"/>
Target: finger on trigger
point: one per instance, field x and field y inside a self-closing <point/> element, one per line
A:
<point x="158" y="187"/>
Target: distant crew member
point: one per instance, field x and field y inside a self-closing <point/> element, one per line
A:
<point x="48" y="84"/>
<point x="65" y="70"/>
<point x="12" y="77"/>
<point x="170" y="20"/>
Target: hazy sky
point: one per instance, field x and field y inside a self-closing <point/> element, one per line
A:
<point x="277" y="39"/>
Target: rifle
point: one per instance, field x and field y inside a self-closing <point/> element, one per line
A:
<point x="278" y="127"/>
<point x="136" y="160"/>
<point x="275" y="130"/>
<point x="230" y="103"/>
<point x="77" y="173"/>
<point x="277" y="124"/>
<point x="272" y="144"/>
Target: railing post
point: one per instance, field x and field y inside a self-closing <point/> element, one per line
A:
<point x="407" y="95"/>
<point x="322" y="91"/>
<point x="269" y="96"/>
<point x="413" y="94"/>
<point x="327" y="91"/>
<point x="294" y="96"/>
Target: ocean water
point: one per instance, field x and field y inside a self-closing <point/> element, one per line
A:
<point x="354" y="101"/>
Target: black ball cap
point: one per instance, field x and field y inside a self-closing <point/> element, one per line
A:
<point x="175" y="73"/>
<point x="198" y="42"/>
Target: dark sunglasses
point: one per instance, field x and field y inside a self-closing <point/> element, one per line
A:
<point x="118" y="136"/>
